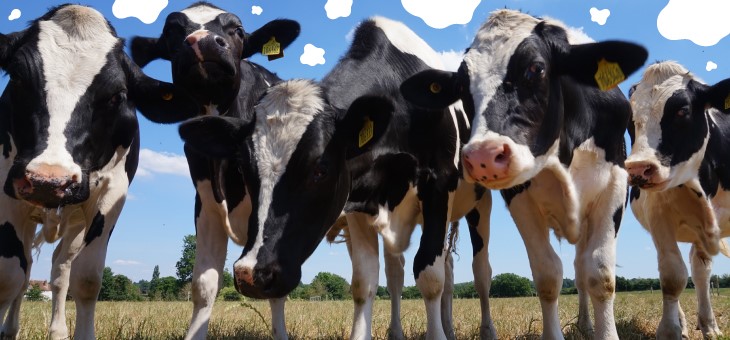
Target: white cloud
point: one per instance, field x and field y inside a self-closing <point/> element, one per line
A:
<point x="127" y="263"/>
<point x="256" y="10"/>
<point x="451" y="59"/>
<point x="599" y="16"/>
<point x="152" y="162"/>
<point x="312" y="55"/>
<point x="338" y="8"/>
<point x="146" y="11"/>
<point x="704" y="22"/>
<point x="14" y="14"/>
<point x="710" y="66"/>
<point x="440" y="13"/>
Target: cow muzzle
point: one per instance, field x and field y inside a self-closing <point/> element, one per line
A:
<point x="487" y="163"/>
<point x="644" y="174"/>
<point x="48" y="186"/>
<point x="264" y="282"/>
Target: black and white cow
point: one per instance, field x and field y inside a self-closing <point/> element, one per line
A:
<point x="206" y="47"/>
<point x="407" y="174"/>
<point x="70" y="144"/>
<point x="546" y="136"/>
<point x="680" y="180"/>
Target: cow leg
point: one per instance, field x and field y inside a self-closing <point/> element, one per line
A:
<point x="394" y="274"/>
<point x="365" y="270"/>
<point x="447" y="297"/>
<point x="17" y="243"/>
<point x="673" y="278"/>
<point x="278" y="322"/>
<point x="63" y="256"/>
<point x="479" y="224"/>
<point x="701" y="269"/>
<point x="547" y="270"/>
<point x="210" y="256"/>
<point x="428" y="265"/>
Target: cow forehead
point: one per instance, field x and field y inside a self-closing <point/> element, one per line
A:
<point x="202" y="14"/>
<point x="659" y="82"/>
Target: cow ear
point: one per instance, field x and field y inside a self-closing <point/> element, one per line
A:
<point x="432" y="89"/>
<point x="158" y="101"/>
<point x="144" y="50"/>
<point x="8" y="44"/>
<point x="718" y="96"/>
<point x="215" y="136"/>
<point x="364" y="124"/>
<point x="284" y="31"/>
<point x="603" y="64"/>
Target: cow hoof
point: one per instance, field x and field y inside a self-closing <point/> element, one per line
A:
<point x="486" y="333"/>
<point x="395" y="334"/>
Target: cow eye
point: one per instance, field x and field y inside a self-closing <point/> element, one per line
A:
<point x="535" y="71"/>
<point x="237" y="31"/>
<point x="320" y="172"/>
<point x="683" y="112"/>
<point x="117" y="99"/>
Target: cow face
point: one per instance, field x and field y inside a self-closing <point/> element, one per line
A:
<point x="511" y="81"/>
<point x="672" y="113"/>
<point x="68" y="107"/>
<point x="205" y="45"/>
<point x="294" y="164"/>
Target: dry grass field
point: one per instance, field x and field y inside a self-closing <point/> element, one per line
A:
<point x="637" y="315"/>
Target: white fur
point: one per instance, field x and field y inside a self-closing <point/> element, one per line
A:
<point x="408" y="42"/>
<point x="282" y="117"/>
<point x="202" y="14"/>
<point x="72" y="54"/>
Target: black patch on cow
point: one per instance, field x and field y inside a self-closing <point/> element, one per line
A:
<point x="477" y="243"/>
<point x="11" y="246"/>
<point x="479" y="192"/>
<point x="714" y="171"/>
<point x="130" y="166"/>
<point x="635" y="193"/>
<point x="383" y="182"/>
<point x="617" y="220"/>
<point x="683" y="126"/>
<point x="95" y="229"/>
<point x="509" y="194"/>
<point x="435" y="206"/>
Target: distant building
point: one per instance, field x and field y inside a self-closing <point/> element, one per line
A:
<point x="44" y="285"/>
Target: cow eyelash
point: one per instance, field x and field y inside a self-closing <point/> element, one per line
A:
<point x="683" y="112"/>
<point x="535" y="71"/>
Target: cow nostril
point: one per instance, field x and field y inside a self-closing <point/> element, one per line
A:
<point x="649" y="171"/>
<point x="221" y="42"/>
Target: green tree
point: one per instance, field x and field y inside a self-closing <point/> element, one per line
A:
<point x="229" y="294"/>
<point x="187" y="260"/>
<point x="411" y="292"/>
<point x="335" y="287"/>
<point x="510" y="285"/>
<point x="143" y="286"/>
<point x="168" y="288"/>
<point x="108" y="290"/>
<point x="465" y="290"/>
<point x="153" y="292"/>
<point x="34" y="293"/>
<point x="227" y="278"/>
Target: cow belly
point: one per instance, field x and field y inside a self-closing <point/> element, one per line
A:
<point x="590" y="172"/>
<point x="721" y="205"/>
<point x="397" y="225"/>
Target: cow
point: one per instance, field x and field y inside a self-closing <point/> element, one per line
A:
<point x="70" y="145"/>
<point x="410" y="175"/>
<point x="679" y="183"/>
<point x="207" y="47"/>
<point x="547" y="135"/>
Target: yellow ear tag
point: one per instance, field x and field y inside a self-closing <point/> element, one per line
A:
<point x="366" y="133"/>
<point x="727" y="102"/>
<point x="435" y="88"/>
<point x="272" y="49"/>
<point x="609" y="75"/>
<point x="167" y="96"/>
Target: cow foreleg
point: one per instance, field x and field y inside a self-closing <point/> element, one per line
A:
<point x="63" y="255"/>
<point x="365" y="268"/>
<point x="547" y="270"/>
<point x="210" y="256"/>
<point x="394" y="274"/>
<point x="278" y="321"/>
<point x="428" y="265"/>
<point x="673" y="278"/>
<point x="479" y="224"/>
<point x="447" y="297"/>
<point x="701" y="269"/>
<point x="15" y="265"/>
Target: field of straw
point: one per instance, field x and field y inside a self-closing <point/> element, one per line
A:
<point x="637" y="316"/>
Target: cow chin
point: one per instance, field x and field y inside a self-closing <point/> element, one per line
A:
<point x="277" y="285"/>
<point x="52" y="197"/>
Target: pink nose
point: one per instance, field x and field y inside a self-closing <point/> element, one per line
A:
<point x="641" y="172"/>
<point x="487" y="161"/>
<point x="196" y="36"/>
<point x="244" y="274"/>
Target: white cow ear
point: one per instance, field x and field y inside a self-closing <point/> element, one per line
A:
<point x="718" y="96"/>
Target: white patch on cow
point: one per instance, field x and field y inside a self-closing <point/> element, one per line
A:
<point x="73" y="46"/>
<point x="211" y="110"/>
<point x="599" y="16"/>
<point x="441" y="14"/>
<point x="710" y="66"/>
<point x="202" y="14"/>
<point x="282" y="117"/>
<point x="457" y="140"/>
<point x="406" y="41"/>
<point x="658" y="84"/>
<point x="312" y="55"/>
<point x="146" y="11"/>
<point x="704" y="22"/>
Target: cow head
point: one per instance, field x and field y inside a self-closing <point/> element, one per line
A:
<point x="511" y="82"/>
<point x="673" y="112"/>
<point x="69" y="105"/>
<point x="294" y="157"/>
<point x="205" y="45"/>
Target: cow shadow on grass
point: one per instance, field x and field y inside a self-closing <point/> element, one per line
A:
<point x="632" y="329"/>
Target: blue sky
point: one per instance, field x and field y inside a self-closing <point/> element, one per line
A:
<point x="159" y="211"/>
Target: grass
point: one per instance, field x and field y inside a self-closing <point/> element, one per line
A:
<point x="637" y="316"/>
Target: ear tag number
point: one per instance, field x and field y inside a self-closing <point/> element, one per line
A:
<point x="609" y="75"/>
<point x="366" y="133"/>
<point x="727" y="102"/>
<point x="272" y="49"/>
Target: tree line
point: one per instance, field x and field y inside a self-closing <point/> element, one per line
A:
<point x="324" y="286"/>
